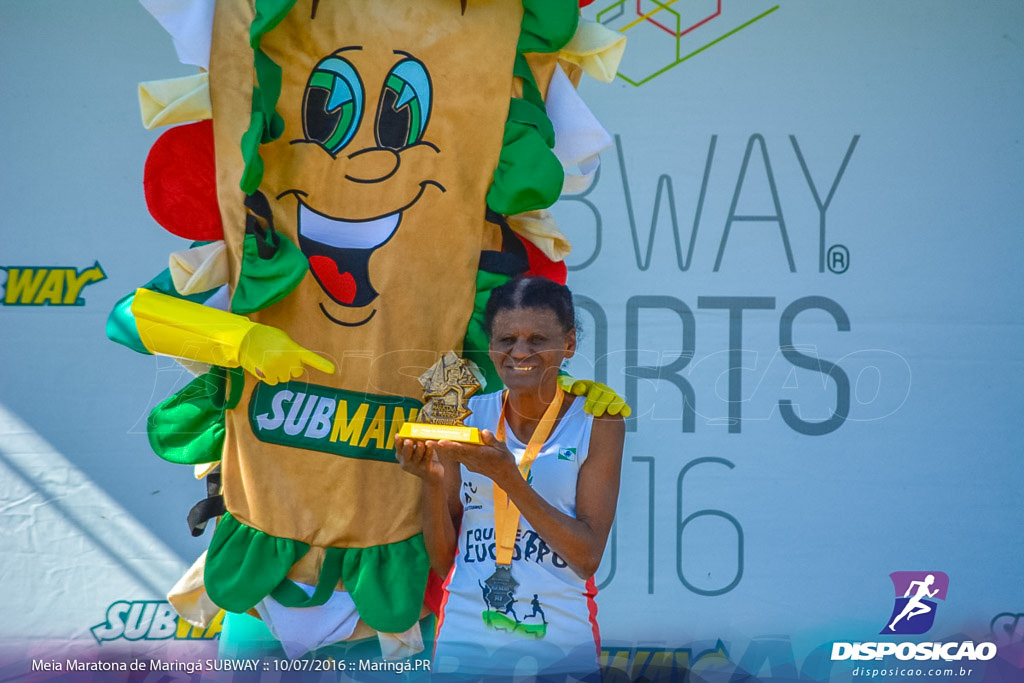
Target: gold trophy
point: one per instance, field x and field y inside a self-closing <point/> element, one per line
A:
<point x="447" y="386"/>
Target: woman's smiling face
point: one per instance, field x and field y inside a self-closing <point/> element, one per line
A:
<point x="528" y="345"/>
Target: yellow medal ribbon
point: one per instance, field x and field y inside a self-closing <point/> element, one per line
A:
<point x="506" y="514"/>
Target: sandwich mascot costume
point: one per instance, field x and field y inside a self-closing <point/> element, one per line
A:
<point x="353" y="178"/>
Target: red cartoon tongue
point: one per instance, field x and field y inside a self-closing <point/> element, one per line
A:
<point x="342" y="286"/>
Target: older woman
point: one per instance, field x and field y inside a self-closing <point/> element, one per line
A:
<point x="519" y="524"/>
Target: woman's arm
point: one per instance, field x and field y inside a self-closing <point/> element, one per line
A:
<point x="580" y="541"/>
<point x="441" y="508"/>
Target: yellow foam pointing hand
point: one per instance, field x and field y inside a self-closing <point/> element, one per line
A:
<point x="601" y="399"/>
<point x="183" y="329"/>
<point x="271" y="355"/>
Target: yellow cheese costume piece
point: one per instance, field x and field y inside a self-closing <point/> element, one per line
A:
<point x="541" y="229"/>
<point x="188" y="596"/>
<point x="597" y="49"/>
<point x="199" y="269"/>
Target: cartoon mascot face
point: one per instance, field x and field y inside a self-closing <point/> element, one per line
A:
<point x="393" y="134"/>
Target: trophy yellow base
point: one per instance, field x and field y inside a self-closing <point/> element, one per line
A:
<point x="435" y="432"/>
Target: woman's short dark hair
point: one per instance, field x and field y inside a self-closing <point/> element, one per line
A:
<point x="531" y="292"/>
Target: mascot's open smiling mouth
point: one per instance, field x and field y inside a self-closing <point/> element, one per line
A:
<point x="339" y="251"/>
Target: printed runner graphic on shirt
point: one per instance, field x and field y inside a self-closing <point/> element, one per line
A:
<point x="534" y="624"/>
<point x="527" y="619"/>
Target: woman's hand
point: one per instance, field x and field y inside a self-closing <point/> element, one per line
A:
<point x="442" y="510"/>
<point x="491" y="459"/>
<point x="419" y="458"/>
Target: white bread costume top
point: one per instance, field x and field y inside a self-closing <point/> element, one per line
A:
<point x="554" y="617"/>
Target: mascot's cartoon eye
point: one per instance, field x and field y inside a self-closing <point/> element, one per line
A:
<point x="404" y="105"/>
<point x="333" y="104"/>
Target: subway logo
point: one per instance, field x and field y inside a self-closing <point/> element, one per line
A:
<point x="151" y="620"/>
<point x="46" y="285"/>
<point x="316" y="418"/>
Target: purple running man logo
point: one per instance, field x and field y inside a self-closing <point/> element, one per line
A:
<point x="914" y="611"/>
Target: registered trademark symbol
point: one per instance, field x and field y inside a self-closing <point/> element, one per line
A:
<point x="838" y="259"/>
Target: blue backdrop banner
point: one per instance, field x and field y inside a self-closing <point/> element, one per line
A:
<point x="799" y="262"/>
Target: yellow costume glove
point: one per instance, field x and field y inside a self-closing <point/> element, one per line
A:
<point x="601" y="398"/>
<point x="271" y="355"/>
<point x="176" y="327"/>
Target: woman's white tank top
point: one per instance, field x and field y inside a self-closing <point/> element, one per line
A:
<point x="552" y="623"/>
